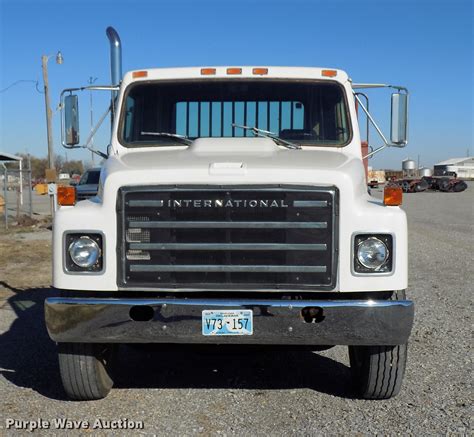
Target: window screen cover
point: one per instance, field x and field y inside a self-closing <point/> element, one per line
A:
<point x="307" y="113"/>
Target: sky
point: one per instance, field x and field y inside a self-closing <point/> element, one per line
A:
<point x="424" y="45"/>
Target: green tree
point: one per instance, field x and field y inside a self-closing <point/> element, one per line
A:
<point x="73" y="167"/>
<point x="39" y="165"/>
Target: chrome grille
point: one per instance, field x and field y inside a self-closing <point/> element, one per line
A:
<point x="207" y="238"/>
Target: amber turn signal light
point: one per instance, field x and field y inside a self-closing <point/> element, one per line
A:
<point x="234" y="71"/>
<point x="329" y="73"/>
<point x="392" y="196"/>
<point x="260" y="71"/>
<point x="66" y="196"/>
<point x="137" y="74"/>
<point x="208" y="71"/>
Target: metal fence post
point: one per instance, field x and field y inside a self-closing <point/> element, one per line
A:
<point x="30" y="189"/>
<point x="5" y="183"/>
<point x="18" y="204"/>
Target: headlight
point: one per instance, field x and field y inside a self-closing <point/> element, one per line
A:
<point x="372" y="253"/>
<point x="84" y="252"/>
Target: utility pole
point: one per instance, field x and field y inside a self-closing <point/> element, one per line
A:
<point x="49" y="115"/>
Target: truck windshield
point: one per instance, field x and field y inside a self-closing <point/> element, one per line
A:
<point x="304" y="113"/>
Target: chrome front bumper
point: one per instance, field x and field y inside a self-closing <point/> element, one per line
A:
<point x="278" y="322"/>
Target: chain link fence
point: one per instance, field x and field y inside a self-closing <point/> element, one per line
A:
<point x="16" y="191"/>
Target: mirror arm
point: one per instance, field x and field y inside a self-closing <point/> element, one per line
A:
<point x="378" y="85"/>
<point x="399" y="88"/>
<point x="91" y="88"/>
<point x="91" y="135"/>
<point x="98" y="152"/>
<point x="97" y="126"/>
<point x="379" y="131"/>
<point x="367" y="113"/>
<point x="366" y="97"/>
<point x="373" y="152"/>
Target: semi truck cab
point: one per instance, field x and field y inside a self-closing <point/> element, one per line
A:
<point x="232" y="209"/>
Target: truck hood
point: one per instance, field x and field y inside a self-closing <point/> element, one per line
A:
<point x="233" y="161"/>
<point x="236" y="162"/>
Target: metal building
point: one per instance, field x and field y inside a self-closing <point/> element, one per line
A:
<point x="463" y="167"/>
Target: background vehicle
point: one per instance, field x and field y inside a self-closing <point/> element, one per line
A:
<point x="449" y="184"/>
<point x="232" y="209"/>
<point x="88" y="184"/>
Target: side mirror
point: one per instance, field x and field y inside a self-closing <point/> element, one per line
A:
<point x="399" y="119"/>
<point x="71" y="119"/>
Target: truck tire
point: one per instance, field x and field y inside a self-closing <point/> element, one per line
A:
<point x="444" y="184"/>
<point x="85" y="370"/>
<point x="377" y="371"/>
<point x="459" y="187"/>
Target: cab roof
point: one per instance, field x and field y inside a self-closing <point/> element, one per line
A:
<point x="235" y="73"/>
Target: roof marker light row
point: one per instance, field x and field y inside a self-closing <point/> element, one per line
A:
<point x="233" y="71"/>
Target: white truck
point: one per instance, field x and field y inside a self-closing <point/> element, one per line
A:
<point x="232" y="209"/>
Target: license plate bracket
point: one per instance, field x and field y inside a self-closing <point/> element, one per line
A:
<point x="227" y="322"/>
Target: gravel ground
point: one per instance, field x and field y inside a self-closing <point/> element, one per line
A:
<point x="259" y="393"/>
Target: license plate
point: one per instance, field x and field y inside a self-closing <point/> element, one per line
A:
<point x="227" y="322"/>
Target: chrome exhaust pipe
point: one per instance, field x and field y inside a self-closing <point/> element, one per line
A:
<point x="115" y="66"/>
<point x="115" y="55"/>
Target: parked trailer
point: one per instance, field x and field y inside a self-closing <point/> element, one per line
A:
<point x="411" y="185"/>
<point x="448" y="184"/>
<point x="434" y="183"/>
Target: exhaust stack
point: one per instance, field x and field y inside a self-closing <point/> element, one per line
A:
<point x="115" y="55"/>
<point x="115" y="66"/>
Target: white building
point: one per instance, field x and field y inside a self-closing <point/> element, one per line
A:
<point x="463" y="167"/>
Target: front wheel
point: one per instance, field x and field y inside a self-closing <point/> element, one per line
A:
<point x="377" y="371"/>
<point x="85" y="370"/>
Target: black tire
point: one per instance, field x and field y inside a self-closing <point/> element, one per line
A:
<point x="459" y="187"/>
<point x="444" y="184"/>
<point x="377" y="371"/>
<point x="422" y="185"/>
<point x="85" y="370"/>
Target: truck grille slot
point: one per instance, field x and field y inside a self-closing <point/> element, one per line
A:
<point x="227" y="238"/>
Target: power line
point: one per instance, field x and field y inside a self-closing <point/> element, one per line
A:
<point x="17" y="82"/>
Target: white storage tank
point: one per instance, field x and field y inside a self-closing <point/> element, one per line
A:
<point x="409" y="168"/>
<point x="425" y="171"/>
<point x="408" y="165"/>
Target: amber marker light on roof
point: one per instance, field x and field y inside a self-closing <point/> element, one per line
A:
<point x="329" y="73"/>
<point x="261" y="71"/>
<point x="66" y="196"/>
<point x="234" y="71"/>
<point x="137" y="74"/>
<point x="208" y="71"/>
<point x="392" y="196"/>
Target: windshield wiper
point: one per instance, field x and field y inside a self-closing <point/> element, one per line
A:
<point x="177" y="137"/>
<point x="268" y="134"/>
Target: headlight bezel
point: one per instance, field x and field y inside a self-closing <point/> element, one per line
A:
<point x="387" y="267"/>
<point x="70" y="267"/>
